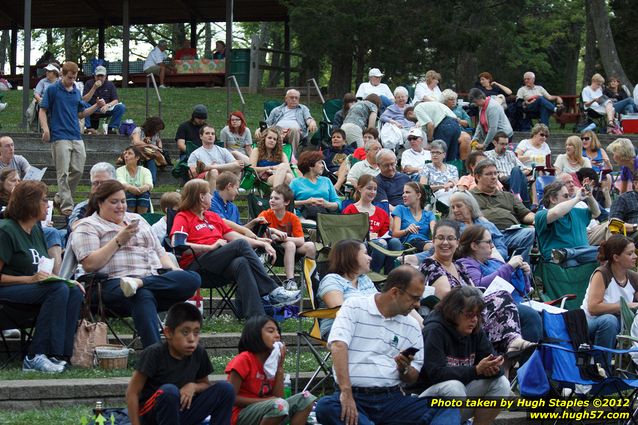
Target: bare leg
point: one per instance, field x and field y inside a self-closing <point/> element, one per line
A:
<point x="141" y="210"/>
<point x="341" y="175"/>
<point x="300" y="417"/>
<point x="162" y="73"/>
<point x="281" y="175"/>
<point x="289" y="258"/>
<point x="465" y="146"/>
<point x="240" y="157"/>
<point x="211" y="178"/>
<point x="611" y="112"/>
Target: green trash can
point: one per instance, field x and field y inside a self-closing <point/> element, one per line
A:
<point x="240" y="66"/>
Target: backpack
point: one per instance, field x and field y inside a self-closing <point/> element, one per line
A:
<point x="127" y="127"/>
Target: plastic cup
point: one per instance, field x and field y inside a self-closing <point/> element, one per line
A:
<point x="179" y="238"/>
<point x="105" y="128"/>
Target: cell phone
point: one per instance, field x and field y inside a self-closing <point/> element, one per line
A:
<point x="409" y="352"/>
<point x="587" y="187"/>
<point x="163" y="270"/>
<point x="262" y="125"/>
<point x="135" y="221"/>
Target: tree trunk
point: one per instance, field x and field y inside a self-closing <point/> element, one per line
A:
<point x="606" y="45"/>
<point x="591" y="51"/>
<point x="49" y="39"/>
<point x="274" y="76"/>
<point x="4" y="48"/>
<point x="571" y="58"/>
<point x="208" y="40"/>
<point x="263" y="41"/>
<point x="341" y="74"/>
<point x="359" y="60"/>
<point x="466" y="72"/>
<point x="71" y="44"/>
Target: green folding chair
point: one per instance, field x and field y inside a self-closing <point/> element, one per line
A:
<point x="558" y="281"/>
<point x="269" y="105"/>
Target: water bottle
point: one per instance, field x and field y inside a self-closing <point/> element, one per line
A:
<point x="287" y="386"/>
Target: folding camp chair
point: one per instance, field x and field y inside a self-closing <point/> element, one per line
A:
<point x="556" y="281"/>
<point x="17" y="316"/>
<point x="313" y="337"/>
<point x="180" y="169"/>
<point x="224" y="287"/>
<point x="269" y="105"/>
<point x="625" y="366"/>
<point x="152" y="218"/>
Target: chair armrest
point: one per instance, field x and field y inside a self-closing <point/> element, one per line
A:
<point x="321" y="313"/>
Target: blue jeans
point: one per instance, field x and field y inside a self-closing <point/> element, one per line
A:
<point x="602" y="331"/>
<point x="216" y="401"/>
<point x="58" y="317"/>
<point x="379" y="260"/>
<point x="116" y="117"/>
<point x="544" y="107"/>
<point x="152" y="167"/>
<point x="159" y="293"/>
<point x="449" y="131"/>
<point x="517" y="182"/>
<point x="386" y="408"/>
<point x="54" y="237"/>
<point x="519" y="241"/>
<point x="625" y="106"/>
<point x="580" y="255"/>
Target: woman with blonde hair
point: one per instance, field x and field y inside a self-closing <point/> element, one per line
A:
<point x="428" y="89"/>
<point x="593" y="150"/>
<point x="624" y="154"/>
<point x="597" y="104"/>
<point x="572" y="160"/>
<point x="535" y="149"/>
<point x="269" y="160"/>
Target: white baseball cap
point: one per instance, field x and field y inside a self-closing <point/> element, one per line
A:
<point x="100" y="70"/>
<point x="415" y="132"/>
<point x="375" y="72"/>
<point x="52" y="67"/>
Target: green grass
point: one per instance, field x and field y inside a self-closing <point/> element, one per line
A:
<point x="177" y="105"/>
<point x="71" y="415"/>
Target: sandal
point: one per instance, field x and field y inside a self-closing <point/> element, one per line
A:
<point x="518" y="347"/>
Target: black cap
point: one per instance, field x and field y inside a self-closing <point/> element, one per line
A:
<point x="200" y="111"/>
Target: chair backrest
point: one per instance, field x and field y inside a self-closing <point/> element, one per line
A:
<point x="69" y="260"/>
<point x="152" y="218"/>
<point x="269" y="105"/>
<point x="311" y="283"/>
<point x="541" y="182"/>
<point x="330" y="108"/>
<point x="626" y="317"/>
<point x="333" y="228"/>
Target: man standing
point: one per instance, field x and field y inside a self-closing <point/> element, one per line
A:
<point x="8" y="158"/>
<point x="511" y="171"/>
<point x="439" y="122"/>
<point x="294" y="118"/>
<point x="537" y="99"/>
<point x="154" y="63"/>
<point x="368" y="339"/>
<point x="503" y="209"/>
<point x="389" y="181"/>
<point x="101" y="88"/>
<point x="63" y="102"/>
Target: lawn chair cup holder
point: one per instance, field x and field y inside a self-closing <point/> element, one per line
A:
<point x="112" y="356"/>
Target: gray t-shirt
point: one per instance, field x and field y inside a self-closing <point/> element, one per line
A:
<point x="236" y="142"/>
<point x="18" y="163"/>
<point x="359" y="113"/>
<point x="214" y="155"/>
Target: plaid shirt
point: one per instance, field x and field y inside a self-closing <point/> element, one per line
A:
<point x="505" y="163"/>
<point x="138" y="257"/>
<point x="625" y="207"/>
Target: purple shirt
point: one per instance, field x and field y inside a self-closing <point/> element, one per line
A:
<point x="627" y="175"/>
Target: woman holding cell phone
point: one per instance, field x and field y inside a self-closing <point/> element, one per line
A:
<point x="460" y="360"/>
<point x="112" y="241"/>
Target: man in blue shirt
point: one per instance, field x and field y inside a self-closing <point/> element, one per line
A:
<point x="389" y="182"/>
<point x="101" y="88"/>
<point x="63" y="103"/>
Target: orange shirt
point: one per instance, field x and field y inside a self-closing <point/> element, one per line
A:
<point x="289" y="224"/>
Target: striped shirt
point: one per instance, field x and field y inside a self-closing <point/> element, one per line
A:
<point x="373" y="342"/>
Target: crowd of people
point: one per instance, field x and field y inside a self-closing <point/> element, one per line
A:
<point x="494" y="222"/>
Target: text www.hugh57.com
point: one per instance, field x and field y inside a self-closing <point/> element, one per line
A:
<point x="579" y="416"/>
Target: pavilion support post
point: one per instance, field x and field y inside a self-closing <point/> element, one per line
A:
<point x="100" y="40"/>
<point x="193" y="32"/>
<point x="287" y="51"/>
<point x="229" y="48"/>
<point x="126" y="38"/>
<point x="26" y="76"/>
<point x="13" y="56"/>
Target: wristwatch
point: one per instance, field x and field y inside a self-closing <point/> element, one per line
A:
<point x="635" y="227"/>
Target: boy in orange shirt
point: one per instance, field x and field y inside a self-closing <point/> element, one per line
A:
<point x="284" y="228"/>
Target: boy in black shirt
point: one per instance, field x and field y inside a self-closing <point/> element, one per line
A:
<point x="170" y="384"/>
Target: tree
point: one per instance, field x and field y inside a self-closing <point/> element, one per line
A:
<point x="625" y="15"/>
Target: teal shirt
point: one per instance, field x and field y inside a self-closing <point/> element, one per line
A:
<point x="569" y="231"/>
<point x="305" y="189"/>
<point x="19" y="251"/>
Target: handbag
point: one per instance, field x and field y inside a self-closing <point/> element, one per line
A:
<point x="89" y="334"/>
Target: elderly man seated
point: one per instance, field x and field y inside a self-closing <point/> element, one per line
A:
<point x="562" y="229"/>
<point x="511" y="171"/>
<point x="365" y="166"/>
<point x="536" y="99"/>
<point x="100" y="87"/>
<point x="294" y="118"/>
<point x="154" y="63"/>
<point x="503" y="209"/>
<point x="8" y="158"/>
<point x="375" y="86"/>
<point x="390" y="182"/>
<point x="210" y="159"/>
<point x="413" y="159"/>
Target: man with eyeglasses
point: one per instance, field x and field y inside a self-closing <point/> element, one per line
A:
<point x="390" y="182"/>
<point x="413" y="159"/>
<point x="504" y="209"/>
<point x="562" y="228"/>
<point x="366" y="166"/>
<point x="511" y="171"/>
<point x="294" y="118"/>
<point x="368" y="340"/>
<point x="100" y="172"/>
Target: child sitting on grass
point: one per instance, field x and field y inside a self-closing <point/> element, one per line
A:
<point x="170" y="384"/>
<point x="257" y="376"/>
<point x="284" y="228"/>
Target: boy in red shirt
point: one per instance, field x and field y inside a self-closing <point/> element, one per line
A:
<point x="284" y="228"/>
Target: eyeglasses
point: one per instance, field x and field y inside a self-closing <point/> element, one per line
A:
<point x="388" y="165"/>
<point x="543" y="135"/>
<point x="416" y="298"/>
<point x="585" y="139"/>
<point x="96" y="183"/>
<point x="235" y="119"/>
<point x="488" y="241"/>
<point x="436" y="152"/>
<point x="469" y="315"/>
<point x="442" y="238"/>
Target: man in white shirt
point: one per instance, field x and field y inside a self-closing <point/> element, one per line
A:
<point x="537" y="99"/>
<point x="8" y="158"/>
<point x="209" y="160"/>
<point x="154" y="63"/>
<point x="413" y="159"/>
<point x="374" y="85"/>
<point x="368" y="340"/>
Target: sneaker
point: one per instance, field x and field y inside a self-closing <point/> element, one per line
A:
<point x="40" y="363"/>
<point x="162" y="86"/>
<point x="112" y="130"/>
<point x="3" y="106"/>
<point x="57" y="361"/>
<point x="11" y="333"/>
<point x="560" y="108"/>
<point x="290" y="285"/>
<point x="128" y="286"/>
<point x="558" y="256"/>
<point x="279" y="297"/>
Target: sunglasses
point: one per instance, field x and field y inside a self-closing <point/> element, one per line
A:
<point x="585" y="139"/>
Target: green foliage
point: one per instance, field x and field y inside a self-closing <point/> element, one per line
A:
<point x="623" y="21"/>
